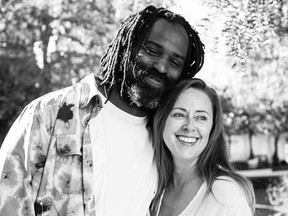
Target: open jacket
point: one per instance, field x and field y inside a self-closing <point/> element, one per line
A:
<point x="46" y="159"/>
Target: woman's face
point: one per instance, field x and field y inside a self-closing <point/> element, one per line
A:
<point x="188" y="126"/>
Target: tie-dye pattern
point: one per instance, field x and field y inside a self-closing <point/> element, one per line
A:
<point x="46" y="159"/>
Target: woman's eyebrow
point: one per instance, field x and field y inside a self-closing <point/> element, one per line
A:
<point x="198" y="111"/>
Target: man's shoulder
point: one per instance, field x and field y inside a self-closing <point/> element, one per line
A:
<point x="78" y="94"/>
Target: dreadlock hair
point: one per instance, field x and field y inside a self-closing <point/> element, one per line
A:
<point x="131" y="35"/>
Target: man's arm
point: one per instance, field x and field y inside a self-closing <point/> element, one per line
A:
<point x="18" y="171"/>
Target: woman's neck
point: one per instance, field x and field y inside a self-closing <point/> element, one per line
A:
<point x="180" y="192"/>
<point x="184" y="176"/>
<point x="184" y="170"/>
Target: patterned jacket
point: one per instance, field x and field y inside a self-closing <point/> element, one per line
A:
<point x="46" y="158"/>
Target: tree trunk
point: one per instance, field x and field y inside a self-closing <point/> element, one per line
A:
<point x="275" y="159"/>
<point x="251" y="155"/>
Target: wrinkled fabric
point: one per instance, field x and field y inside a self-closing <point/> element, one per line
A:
<point x="226" y="199"/>
<point x="46" y="159"/>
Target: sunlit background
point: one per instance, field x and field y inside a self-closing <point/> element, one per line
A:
<point x="47" y="45"/>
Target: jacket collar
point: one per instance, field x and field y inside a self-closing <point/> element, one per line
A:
<point x="89" y="90"/>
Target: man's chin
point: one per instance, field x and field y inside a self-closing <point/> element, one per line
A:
<point x="144" y="98"/>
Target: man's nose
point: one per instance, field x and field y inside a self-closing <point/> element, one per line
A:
<point x="161" y="65"/>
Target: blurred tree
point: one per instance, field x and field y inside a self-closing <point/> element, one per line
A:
<point x="46" y="45"/>
<point x="255" y="33"/>
<point x="126" y="7"/>
<point x="275" y="123"/>
<point x="43" y="45"/>
<point x="240" y="120"/>
<point x="17" y="86"/>
<point x="249" y="28"/>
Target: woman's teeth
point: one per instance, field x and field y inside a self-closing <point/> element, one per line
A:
<point x="187" y="139"/>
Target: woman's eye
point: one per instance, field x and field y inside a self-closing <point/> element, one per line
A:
<point x="178" y="115"/>
<point x="202" y="118"/>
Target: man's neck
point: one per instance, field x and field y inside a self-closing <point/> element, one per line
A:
<point x="120" y="102"/>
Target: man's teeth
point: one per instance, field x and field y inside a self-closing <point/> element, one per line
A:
<point x="156" y="80"/>
<point x="187" y="139"/>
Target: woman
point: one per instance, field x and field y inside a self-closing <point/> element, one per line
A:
<point x="195" y="175"/>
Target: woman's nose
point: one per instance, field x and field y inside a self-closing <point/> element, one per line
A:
<point x="188" y="126"/>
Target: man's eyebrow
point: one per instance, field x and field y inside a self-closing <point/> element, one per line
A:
<point x="159" y="46"/>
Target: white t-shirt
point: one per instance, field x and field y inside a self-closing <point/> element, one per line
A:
<point x="227" y="200"/>
<point x="125" y="174"/>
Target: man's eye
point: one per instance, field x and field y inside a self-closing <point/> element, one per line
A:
<point x="175" y="63"/>
<point x="152" y="52"/>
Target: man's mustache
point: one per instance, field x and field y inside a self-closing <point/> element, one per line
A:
<point x="142" y="70"/>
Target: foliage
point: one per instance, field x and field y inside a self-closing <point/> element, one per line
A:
<point x="277" y="192"/>
<point x="131" y="6"/>
<point x="17" y="86"/>
<point x="249" y="26"/>
<point x="239" y="119"/>
<point x="255" y="35"/>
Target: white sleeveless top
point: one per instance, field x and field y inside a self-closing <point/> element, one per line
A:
<point x="227" y="199"/>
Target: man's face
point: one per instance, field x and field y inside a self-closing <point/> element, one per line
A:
<point x="158" y="65"/>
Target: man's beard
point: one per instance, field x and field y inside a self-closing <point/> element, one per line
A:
<point x="137" y="91"/>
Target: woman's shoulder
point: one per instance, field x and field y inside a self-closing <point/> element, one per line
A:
<point x="227" y="191"/>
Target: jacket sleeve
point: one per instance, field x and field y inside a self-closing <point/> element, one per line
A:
<point x="22" y="158"/>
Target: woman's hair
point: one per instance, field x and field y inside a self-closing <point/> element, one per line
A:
<point x="212" y="162"/>
<point x="133" y="33"/>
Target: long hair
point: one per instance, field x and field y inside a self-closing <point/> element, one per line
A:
<point x="132" y="34"/>
<point x="212" y="162"/>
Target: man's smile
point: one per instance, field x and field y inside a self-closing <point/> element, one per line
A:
<point x="154" y="81"/>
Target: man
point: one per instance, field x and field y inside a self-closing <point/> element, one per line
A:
<point x="85" y="150"/>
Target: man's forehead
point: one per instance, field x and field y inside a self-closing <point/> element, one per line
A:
<point x="169" y="35"/>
